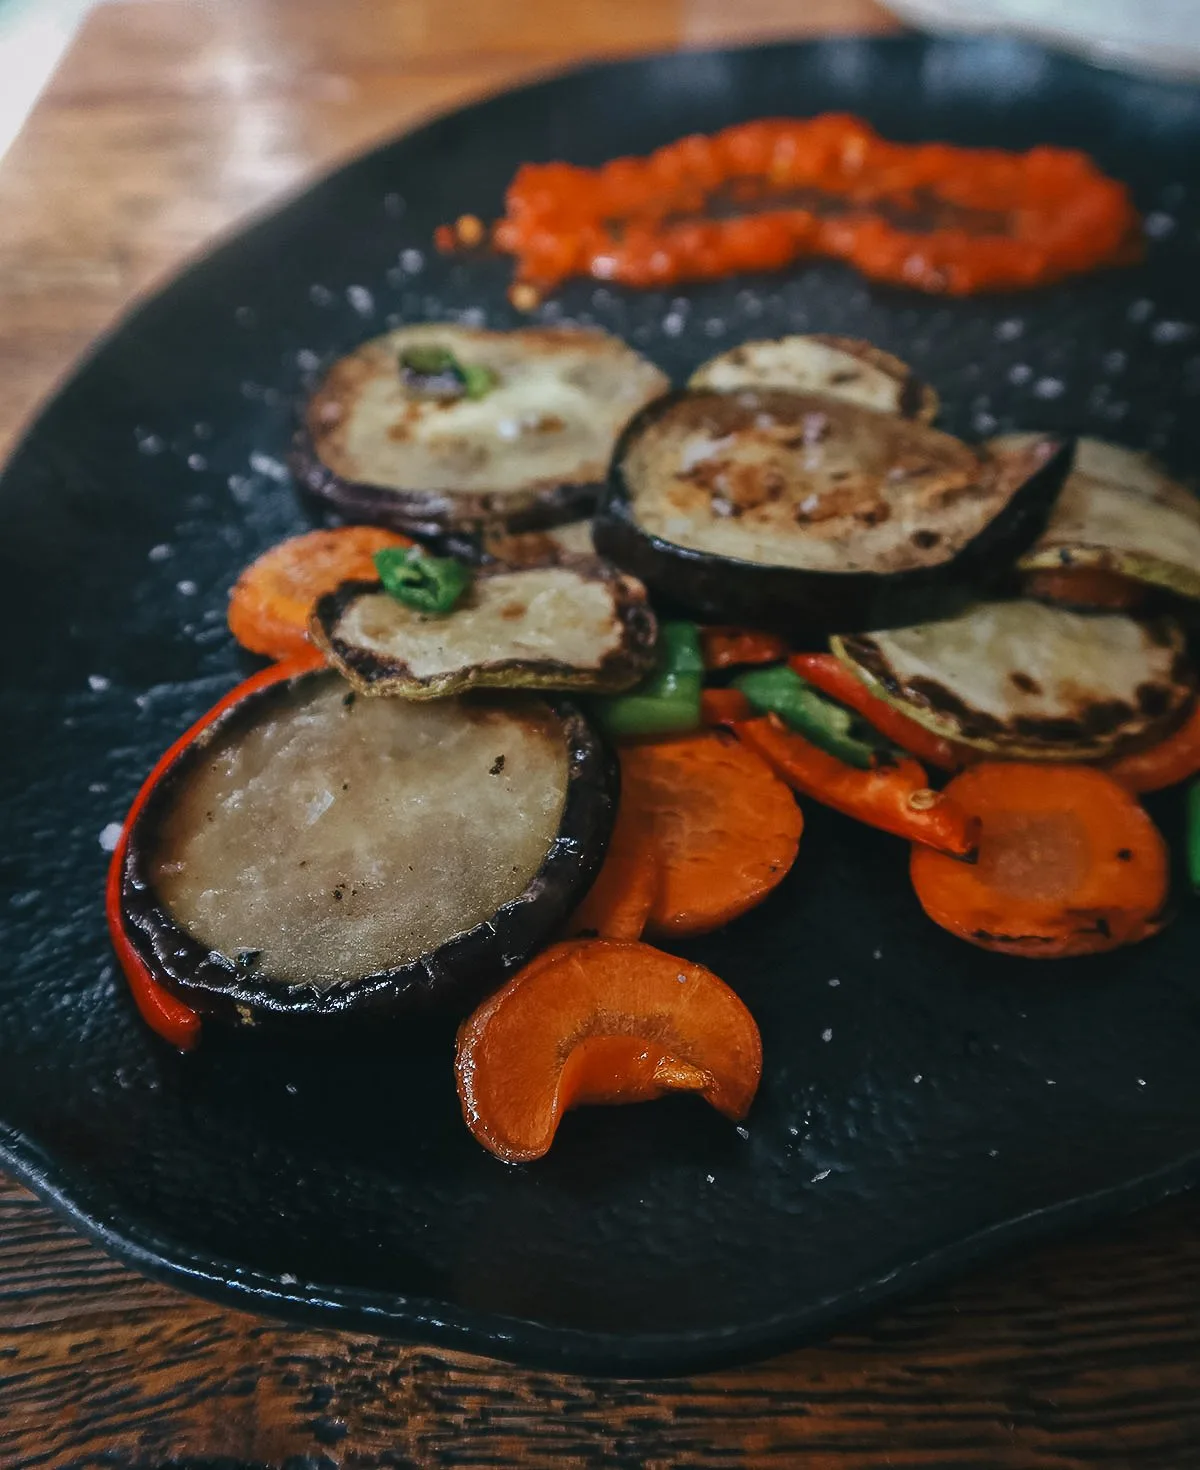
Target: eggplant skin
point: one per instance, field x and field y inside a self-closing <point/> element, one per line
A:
<point x="807" y="605"/>
<point x="448" y="982"/>
<point x="429" y="515"/>
<point x="372" y="672"/>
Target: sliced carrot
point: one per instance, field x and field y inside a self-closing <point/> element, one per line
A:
<point x="828" y="674"/>
<point x="725" y="648"/>
<point x="1069" y="863"/>
<point x="895" y="798"/>
<point x="599" y="1021"/>
<point x="271" y="601"/>
<point x="619" y="902"/>
<point x="163" y="1012"/>
<point x="1175" y="759"/>
<point x="725" y="829"/>
<point x="724" y="706"/>
<point x="1084" y="587"/>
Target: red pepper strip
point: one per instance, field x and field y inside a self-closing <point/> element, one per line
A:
<point x="725" y="648"/>
<point x="724" y="707"/>
<point x="163" y="1012"/>
<point x="1172" y="760"/>
<point x="895" y="798"/>
<point x="828" y="674"/>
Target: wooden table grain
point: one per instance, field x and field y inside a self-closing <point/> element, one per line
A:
<point x="170" y="121"/>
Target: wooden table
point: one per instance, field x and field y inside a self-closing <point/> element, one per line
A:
<point x="169" y="121"/>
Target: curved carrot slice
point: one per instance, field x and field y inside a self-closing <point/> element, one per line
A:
<point x="725" y="828"/>
<point x="828" y="674"/>
<point x="725" y="648"/>
<point x="724" y="707"/>
<point x="600" y="1022"/>
<point x="895" y="798"/>
<point x="619" y="902"/>
<point x="1084" y="587"/>
<point x="163" y="1012"/>
<point x="1172" y="760"/>
<point x="1068" y="864"/>
<point x="271" y="601"/>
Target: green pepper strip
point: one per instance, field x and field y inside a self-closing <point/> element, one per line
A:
<point x="1193" y="834"/>
<point x="666" y="702"/>
<point x="428" y="584"/>
<point x="836" y="730"/>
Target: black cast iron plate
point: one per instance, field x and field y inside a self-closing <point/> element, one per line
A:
<point x="924" y="1104"/>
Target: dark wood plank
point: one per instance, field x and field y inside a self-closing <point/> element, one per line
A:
<point x="1076" y="1355"/>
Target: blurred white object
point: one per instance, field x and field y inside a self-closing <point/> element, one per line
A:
<point x="1143" y="35"/>
<point x="34" y="34"/>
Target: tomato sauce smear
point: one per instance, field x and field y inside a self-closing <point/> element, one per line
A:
<point x="754" y="197"/>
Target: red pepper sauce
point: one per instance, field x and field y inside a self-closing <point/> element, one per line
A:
<point x="943" y="219"/>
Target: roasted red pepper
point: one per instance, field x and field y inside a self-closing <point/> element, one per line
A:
<point x="163" y="1012"/>
<point x="895" y="798"/>
<point x="724" y="707"/>
<point x="727" y="648"/>
<point x="828" y="674"/>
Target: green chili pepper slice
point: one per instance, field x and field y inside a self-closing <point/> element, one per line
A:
<point x="428" y="584"/>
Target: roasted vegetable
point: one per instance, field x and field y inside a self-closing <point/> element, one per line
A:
<point x="518" y="433"/>
<point x="895" y="798"/>
<point x="725" y="829"/>
<point x="667" y="701"/>
<point x="311" y="855"/>
<point x="163" y="1011"/>
<point x="1028" y="680"/>
<point x="803" y="514"/>
<point x="1119" y="512"/>
<point x="578" y="625"/>
<point x="841" y="367"/>
<point x="420" y="582"/>
<point x="1068" y="864"/>
<point x="556" y="544"/>
<point x="727" y="648"/>
<point x="271" y="601"/>
<point x="1193" y="835"/>
<point x="593" y="1021"/>
<point x="780" y="690"/>
<point x="1174" y="758"/>
<point x="841" y="682"/>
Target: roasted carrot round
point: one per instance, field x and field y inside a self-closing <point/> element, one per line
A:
<point x="618" y="903"/>
<point x="1068" y="864"/>
<point x="271" y="601"/>
<point x="1088" y="587"/>
<point x="830" y="675"/>
<point x="725" y="828"/>
<point x="726" y="648"/>
<point x="596" y="1021"/>
<point x="1175" y="759"/>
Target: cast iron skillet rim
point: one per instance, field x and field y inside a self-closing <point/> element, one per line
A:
<point x="564" y="1349"/>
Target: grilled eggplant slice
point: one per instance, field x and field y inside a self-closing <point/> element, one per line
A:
<point x="807" y="514"/>
<point x="1119" y="511"/>
<point x="315" y="855"/>
<point x="540" y="548"/>
<point x="575" y="625"/>
<point x="1023" y="680"/>
<point x="842" y="367"/>
<point x="525" y="442"/>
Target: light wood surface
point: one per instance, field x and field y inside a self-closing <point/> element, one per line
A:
<point x="170" y="121"/>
